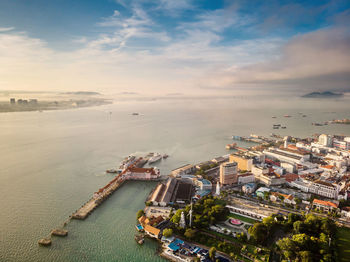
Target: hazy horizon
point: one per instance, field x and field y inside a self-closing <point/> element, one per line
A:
<point x="169" y="47"/>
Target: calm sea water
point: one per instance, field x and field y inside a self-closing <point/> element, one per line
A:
<point x="51" y="163"/>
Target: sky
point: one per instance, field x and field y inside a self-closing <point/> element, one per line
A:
<point x="171" y="47"/>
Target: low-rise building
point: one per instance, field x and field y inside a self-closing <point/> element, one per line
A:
<point x="249" y="188"/>
<point x="246" y="178"/>
<point x="324" y="205"/>
<point x="324" y="188"/>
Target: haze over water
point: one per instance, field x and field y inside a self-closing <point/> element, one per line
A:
<point x="52" y="162"/>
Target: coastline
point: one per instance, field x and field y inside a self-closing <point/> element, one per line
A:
<point x="6" y="107"/>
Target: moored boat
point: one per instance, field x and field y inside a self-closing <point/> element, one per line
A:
<point x="155" y="158"/>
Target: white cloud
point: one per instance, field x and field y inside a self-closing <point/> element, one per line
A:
<point x="6" y="29"/>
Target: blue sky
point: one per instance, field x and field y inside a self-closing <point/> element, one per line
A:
<point x="165" y="46"/>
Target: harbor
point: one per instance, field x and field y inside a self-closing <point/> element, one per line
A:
<point x="132" y="169"/>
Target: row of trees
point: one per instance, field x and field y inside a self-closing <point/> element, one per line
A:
<point x="206" y="211"/>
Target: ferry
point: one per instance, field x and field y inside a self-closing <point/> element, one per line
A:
<point x="155" y="158"/>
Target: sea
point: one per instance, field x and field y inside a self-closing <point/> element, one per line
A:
<point x="51" y="162"/>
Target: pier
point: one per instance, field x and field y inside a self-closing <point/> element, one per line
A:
<point x="133" y="172"/>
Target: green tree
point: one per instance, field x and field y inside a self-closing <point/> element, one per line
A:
<point x="168" y="232"/>
<point x="258" y="232"/>
<point x="140" y="213"/>
<point x="190" y="233"/>
<point x="212" y="253"/>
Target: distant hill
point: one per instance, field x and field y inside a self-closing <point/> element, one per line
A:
<point x="326" y="94"/>
<point x="85" y="93"/>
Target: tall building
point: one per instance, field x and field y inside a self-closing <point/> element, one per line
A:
<point x="243" y="162"/>
<point x="325" y="140"/>
<point x="228" y="173"/>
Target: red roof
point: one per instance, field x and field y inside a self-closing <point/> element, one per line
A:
<point x="291" y="177"/>
<point x="324" y="203"/>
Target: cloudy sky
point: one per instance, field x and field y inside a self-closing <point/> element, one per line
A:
<point x="174" y="46"/>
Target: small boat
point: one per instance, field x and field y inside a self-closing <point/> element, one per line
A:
<point x="304" y="115"/>
<point x="155" y="158"/>
<point x="317" y="124"/>
<point x="135" y="114"/>
<point x="275" y="127"/>
<point x="112" y="171"/>
<point x="287" y="116"/>
<point x="165" y="156"/>
<point x="283" y="127"/>
<point x="274" y="117"/>
<point x="45" y="242"/>
<point x="231" y="146"/>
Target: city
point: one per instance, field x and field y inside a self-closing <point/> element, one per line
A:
<point x="284" y="183"/>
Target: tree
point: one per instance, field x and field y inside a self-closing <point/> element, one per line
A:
<point x="212" y="253"/>
<point x="140" y="213"/>
<point x="167" y="232"/>
<point x="190" y="233"/>
<point x="258" y="232"/>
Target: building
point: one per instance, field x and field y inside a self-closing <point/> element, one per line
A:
<point x="245" y="178"/>
<point x="288" y="155"/>
<point x="259" y="170"/>
<point x="341" y="144"/>
<point x="345" y="212"/>
<point x="272" y="179"/>
<point x="149" y="230"/>
<point x="228" y="173"/>
<point x="243" y="162"/>
<point x="325" y="140"/>
<point x="137" y="173"/>
<point x="221" y="159"/>
<point x="172" y="191"/>
<point x="288" y="199"/>
<point x="249" y="188"/>
<point x="184" y="170"/>
<point x="260" y="192"/>
<point x="324" y="188"/>
<point x="324" y="205"/>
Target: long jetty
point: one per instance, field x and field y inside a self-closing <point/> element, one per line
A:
<point x="101" y="195"/>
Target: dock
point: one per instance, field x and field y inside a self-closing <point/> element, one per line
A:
<point x="133" y="172"/>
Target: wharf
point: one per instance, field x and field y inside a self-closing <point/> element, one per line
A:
<point x="94" y="202"/>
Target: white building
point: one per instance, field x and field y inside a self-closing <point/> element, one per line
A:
<point x="246" y="178"/>
<point x="325" y="140"/>
<point x="325" y="189"/>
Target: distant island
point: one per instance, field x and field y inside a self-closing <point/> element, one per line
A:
<point x="326" y="94"/>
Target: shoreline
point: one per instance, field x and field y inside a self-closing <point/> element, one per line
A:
<point x="51" y="106"/>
